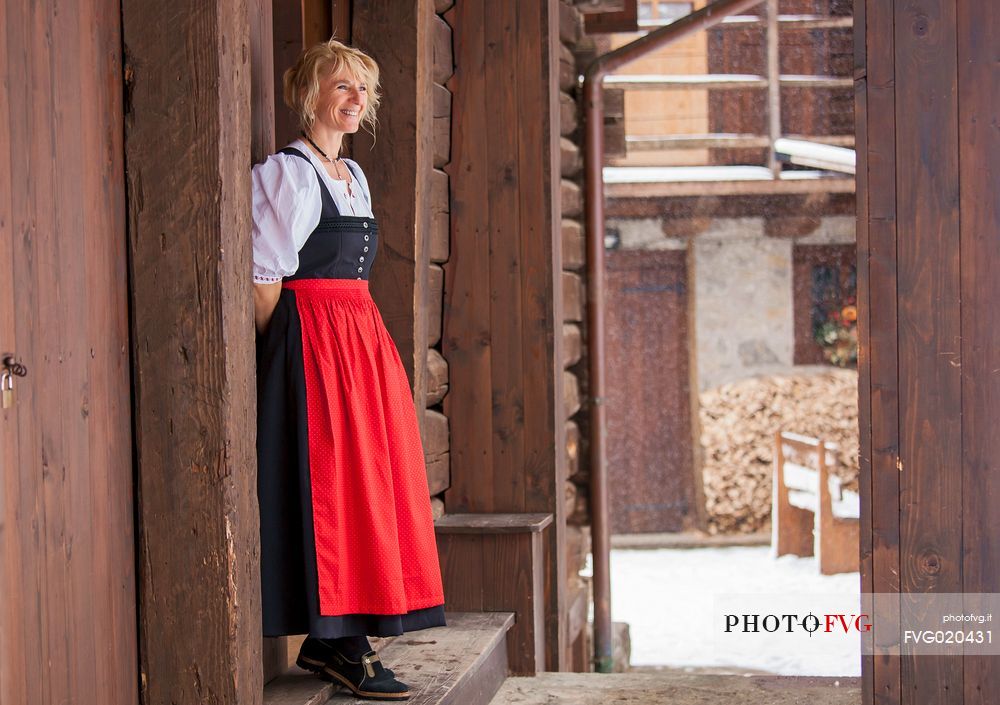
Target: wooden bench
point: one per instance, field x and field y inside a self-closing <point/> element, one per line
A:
<point x="811" y="513"/>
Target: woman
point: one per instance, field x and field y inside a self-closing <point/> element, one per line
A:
<point x="347" y="537"/>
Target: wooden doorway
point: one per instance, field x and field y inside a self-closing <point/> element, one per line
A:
<point x="67" y="612"/>
<point x="650" y="460"/>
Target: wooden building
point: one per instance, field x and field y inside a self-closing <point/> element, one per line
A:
<point x="128" y="518"/>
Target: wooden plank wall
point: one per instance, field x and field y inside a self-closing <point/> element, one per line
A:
<point x="187" y="141"/>
<point x="929" y="234"/>
<point x="979" y="175"/>
<point x="67" y="543"/>
<point x="502" y="293"/>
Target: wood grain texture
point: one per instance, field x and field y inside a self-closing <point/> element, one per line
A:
<point x="440" y="214"/>
<point x="978" y="25"/>
<point x="928" y="286"/>
<point x="192" y="315"/>
<point x="262" y="87"/>
<point x="572" y="344"/>
<point x="864" y="341"/>
<point x="67" y="541"/>
<point x="436" y="451"/>
<point x="443" y="62"/>
<point x="434" y="306"/>
<point x="541" y="245"/>
<point x="571" y="198"/>
<point x="574" y="303"/>
<point x="507" y="329"/>
<point x="883" y="404"/>
<point x="467" y="342"/>
<point x="573" y="245"/>
<point x="492" y="523"/>
<point x="437" y="377"/>
<point x="442" y="126"/>
<point x="398" y="166"/>
<point x="502" y="296"/>
<point x="513" y="576"/>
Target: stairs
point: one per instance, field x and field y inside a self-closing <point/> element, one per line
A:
<point x="464" y="663"/>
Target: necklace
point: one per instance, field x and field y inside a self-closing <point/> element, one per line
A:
<point x="326" y="157"/>
<point x="323" y="154"/>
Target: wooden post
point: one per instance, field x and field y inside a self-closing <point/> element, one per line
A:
<point x="773" y="85"/>
<point x="398" y="164"/>
<point x="187" y="138"/>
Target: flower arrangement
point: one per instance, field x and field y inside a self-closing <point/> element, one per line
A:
<point x="838" y="335"/>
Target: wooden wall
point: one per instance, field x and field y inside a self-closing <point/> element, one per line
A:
<point x="502" y="294"/>
<point x="928" y="96"/>
<point x="67" y="543"/>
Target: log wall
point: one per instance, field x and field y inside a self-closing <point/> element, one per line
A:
<point x="576" y="50"/>
<point x="437" y="440"/>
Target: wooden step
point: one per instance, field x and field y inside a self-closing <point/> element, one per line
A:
<point x="494" y="562"/>
<point x="464" y="663"/>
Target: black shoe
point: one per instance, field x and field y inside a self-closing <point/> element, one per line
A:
<point x="367" y="678"/>
<point x="315" y="653"/>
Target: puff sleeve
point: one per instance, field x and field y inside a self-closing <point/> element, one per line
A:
<point x="286" y="208"/>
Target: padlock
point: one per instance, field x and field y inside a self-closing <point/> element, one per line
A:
<point x="7" y="387"/>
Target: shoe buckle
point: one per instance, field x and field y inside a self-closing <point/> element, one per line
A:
<point x="369" y="669"/>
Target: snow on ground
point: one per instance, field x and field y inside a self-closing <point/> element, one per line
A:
<point x="671" y="597"/>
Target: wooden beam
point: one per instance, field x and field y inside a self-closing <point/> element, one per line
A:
<point x="625" y="20"/>
<point x="762" y="187"/>
<point x="721" y="81"/>
<point x="193" y="350"/>
<point x="398" y="165"/>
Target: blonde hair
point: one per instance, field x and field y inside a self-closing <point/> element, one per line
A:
<point x="302" y="81"/>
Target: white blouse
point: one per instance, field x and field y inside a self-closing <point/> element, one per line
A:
<point x="287" y="205"/>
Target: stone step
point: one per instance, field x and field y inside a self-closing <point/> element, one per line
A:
<point x="461" y="664"/>
<point x="676" y="688"/>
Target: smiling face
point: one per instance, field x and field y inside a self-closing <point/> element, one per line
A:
<point x="342" y="101"/>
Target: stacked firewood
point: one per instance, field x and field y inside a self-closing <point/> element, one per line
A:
<point x="738" y="423"/>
